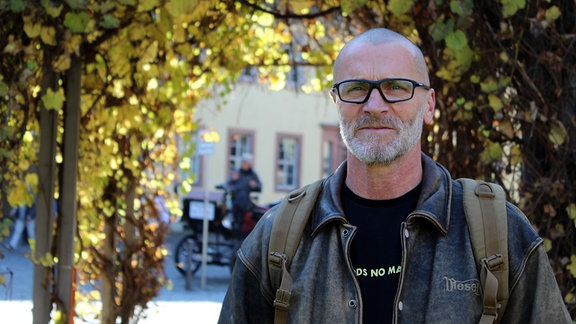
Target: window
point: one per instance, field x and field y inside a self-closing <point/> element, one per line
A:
<point x="287" y="162"/>
<point x="239" y="142"/>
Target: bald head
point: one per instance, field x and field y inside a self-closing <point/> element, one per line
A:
<point x="377" y="37"/>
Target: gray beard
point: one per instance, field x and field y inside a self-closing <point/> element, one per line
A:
<point x="369" y="149"/>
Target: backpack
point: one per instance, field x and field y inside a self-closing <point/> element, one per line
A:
<point x="485" y="209"/>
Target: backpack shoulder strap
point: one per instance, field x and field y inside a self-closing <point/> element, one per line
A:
<point x="485" y="209"/>
<point x="291" y="218"/>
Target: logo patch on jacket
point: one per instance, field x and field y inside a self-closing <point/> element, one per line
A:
<point x="471" y="285"/>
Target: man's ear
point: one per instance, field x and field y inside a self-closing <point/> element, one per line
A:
<point x="333" y="95"/>
<point x="430" y="106"/>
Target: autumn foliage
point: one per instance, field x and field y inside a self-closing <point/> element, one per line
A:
<point x="503" y="70"/>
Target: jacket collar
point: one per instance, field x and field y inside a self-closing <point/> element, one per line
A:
<point x="433" y="205"/>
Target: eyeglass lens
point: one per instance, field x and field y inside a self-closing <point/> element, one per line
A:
<point x="393" y="90"/>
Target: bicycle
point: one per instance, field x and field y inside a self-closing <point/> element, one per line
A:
<point x="223" y="239"/>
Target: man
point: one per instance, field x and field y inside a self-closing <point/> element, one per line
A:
<point x="388" y="232"/>
<point x="241" y="183"/>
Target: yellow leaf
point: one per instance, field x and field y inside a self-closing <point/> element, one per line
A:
<point x="495" y="102"/>
<point x="553" y="13"/>
<point x="147" y="5"/>
<point x="547" y="244"/>
<point x="558" y="133"/>
<point x="31" y="181"/>
<point x="569" y="298"/>
<point x="506" y="128"/>
<point x="53" y="99"/>
<point x="492" y="152"/>
<point x="31" y="28"/>
<point x="51" y="9"/>
<point x="48" y="35"/>
<point x="571" y="211"/>
<point x="180" y="7"/>
<point x="515" y="155"/>
<point x="62" y="63"/>
<point x="572" y="265"/>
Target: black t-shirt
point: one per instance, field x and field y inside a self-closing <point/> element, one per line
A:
<point x="376" y="249"/>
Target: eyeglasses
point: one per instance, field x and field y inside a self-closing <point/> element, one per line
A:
<point x="391" y="90"/>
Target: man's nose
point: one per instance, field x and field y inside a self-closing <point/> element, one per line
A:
<point x="376" y="102"/>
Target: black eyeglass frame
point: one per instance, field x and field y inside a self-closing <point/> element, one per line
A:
<point x="376" y="85"/>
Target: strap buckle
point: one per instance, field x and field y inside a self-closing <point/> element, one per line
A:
<point x="494" y="261"/>
<point x="483" y="190"/>
<point x="282" y="300"/>
<point x="277" y="259"/>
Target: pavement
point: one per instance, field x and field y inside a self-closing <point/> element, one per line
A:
<point x="174" y="304"/>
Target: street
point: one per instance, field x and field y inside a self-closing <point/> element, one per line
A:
<point x="175" y="305"/>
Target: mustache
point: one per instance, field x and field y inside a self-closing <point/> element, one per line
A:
<point x="372" y="122"/>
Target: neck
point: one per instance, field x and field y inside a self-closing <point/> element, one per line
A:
<point x="381" y="182"/>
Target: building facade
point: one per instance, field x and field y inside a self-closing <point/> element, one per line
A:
<point x="293" y="137"/>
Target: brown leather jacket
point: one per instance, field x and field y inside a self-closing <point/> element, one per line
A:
<point x="436" y="254"/>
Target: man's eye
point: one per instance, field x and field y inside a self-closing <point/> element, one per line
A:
<point x="394" y="86"/>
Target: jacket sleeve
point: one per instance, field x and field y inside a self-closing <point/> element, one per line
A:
<point x="258" y="187"/>
<point x="248" y="298"/>
<point x="536" y="298"/>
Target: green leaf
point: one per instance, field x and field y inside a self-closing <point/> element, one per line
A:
<point x="439" y="30"/>
<point x="53" y="99"/>
<point x="489" y="85"/>
<point x="399" y="7"/>
<point x="462" y="7"/>
<point x="510" y="7"/>
<point x="492" y="152"/>
<point x="17" y="5"/>
<point x="456" y="40"/>
<point x="349" y="6"/>
<point x="3" y="89"/>
<point x="77" y="22"/>
<point x="464" y="57"/>
<point x="77" y="4"/>
<point x="109" y="22"/>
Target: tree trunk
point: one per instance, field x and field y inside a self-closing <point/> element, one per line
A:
<point x="68" y="178"/>
<point x="109" y="271"/>
<point x="45" y="206"/>
<point x="128" y="302"/>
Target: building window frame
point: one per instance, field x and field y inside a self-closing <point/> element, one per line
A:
<point x="240" y="141"/>
<point x="287" y="161"/>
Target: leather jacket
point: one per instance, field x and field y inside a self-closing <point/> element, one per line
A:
<point x="439" y="281"/>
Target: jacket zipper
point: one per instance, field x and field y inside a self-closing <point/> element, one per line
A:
<point x="402" y="272"/>
<point x="352" y="230"/>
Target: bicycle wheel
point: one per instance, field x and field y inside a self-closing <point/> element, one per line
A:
<point x="188" y="251"/>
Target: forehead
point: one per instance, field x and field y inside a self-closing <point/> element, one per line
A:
<point x="364" y="60"/>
